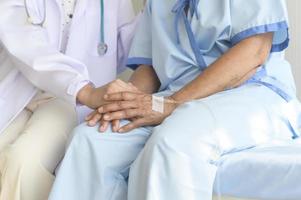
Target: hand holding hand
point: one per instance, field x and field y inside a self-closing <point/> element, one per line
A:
<point x="136" y="107"/>
<point x="113" y="87"/>
<point x="93" y="97"/>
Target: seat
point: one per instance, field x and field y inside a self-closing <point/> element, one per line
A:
<point x="265" y="172"/>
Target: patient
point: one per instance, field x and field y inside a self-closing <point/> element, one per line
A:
<point x="207" y="86"/>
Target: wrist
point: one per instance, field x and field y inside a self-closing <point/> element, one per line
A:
<point x="170" y="104"/>
<point x="84" y="95"/>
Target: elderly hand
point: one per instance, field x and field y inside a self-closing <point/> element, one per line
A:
<point x="113" y="87"/>
<point x="136" y="107"/>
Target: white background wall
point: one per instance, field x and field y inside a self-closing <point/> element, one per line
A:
<point x="293" y="53"/>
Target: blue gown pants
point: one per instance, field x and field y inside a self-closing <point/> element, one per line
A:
<point x="176" y="160"/>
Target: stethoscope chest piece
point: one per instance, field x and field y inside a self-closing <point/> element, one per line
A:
<point x="102" y="48"/>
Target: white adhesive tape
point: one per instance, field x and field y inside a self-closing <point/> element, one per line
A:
<point x="158" y="104"/>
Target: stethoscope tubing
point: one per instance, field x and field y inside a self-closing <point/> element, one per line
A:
<point x="102" y="22"/>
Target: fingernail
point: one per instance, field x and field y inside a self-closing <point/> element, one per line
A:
<point x="100" y="109"/>
<point x="106" y="117"/>
<point x="120" y="131"/>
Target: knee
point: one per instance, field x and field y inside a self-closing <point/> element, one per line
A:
<point x="161" y="141"/>
<point x="81" y="134"/>
<point x="191" y="121"/>
<point x="177" y="136"/>
<point x="84" y="132"/>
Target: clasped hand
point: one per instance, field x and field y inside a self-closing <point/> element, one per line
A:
<point x="125" y="101"/>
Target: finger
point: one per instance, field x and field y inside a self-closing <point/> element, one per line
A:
<point x="95" y="118"/>
<point x="123" y="114"/>
<point x="89" y="117"/>
<point x="120" y="96"/>
<point x="115" y="125"/>
<point x="133" y="125"/>
<point x="103" y="126"/>
<point x="132" y="85"/>
<point x="123" y="85"/>
<point x="116" y="106"/>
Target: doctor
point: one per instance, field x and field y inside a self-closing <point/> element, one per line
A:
<point x="53" y="55"/>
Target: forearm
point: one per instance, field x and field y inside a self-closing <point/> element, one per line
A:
<point x="231" y="70"/>
<point x="145" y="79"/>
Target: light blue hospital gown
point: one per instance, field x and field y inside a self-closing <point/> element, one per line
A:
<point x="178" y="159"/>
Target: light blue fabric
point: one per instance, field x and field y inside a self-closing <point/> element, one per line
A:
<point x="182" y="47"/>
<point x="132" y="62"/>
<point x="281" y="40"/>
<point x="179" y="159"/>
<point x="96" y="165"/>
<point x="268" y="171"/>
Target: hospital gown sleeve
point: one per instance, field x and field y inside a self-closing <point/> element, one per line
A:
<point x="35" y="56"/>
<point x="253" y="17"/>
<point x="141" y="50"/>
<point x="126" y="30"/>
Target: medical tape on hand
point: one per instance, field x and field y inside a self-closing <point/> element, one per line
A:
<point x="158" y="104"/>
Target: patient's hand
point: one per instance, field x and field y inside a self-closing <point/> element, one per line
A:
<point x="136" y="107"/>
<point x="114" y="87"/>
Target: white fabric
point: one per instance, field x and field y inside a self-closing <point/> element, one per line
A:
<point x="31" y="148"/>
<point x="68" y="6"/>
<point x="31" y="58"/>
<point x="270" y="171"/>
<point x="158" y="104"/>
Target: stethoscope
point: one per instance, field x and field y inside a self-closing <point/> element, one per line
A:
<point x="102" y="46"/>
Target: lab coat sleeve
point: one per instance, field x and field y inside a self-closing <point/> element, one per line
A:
<point x="36" y="58"/>
<point x="141" y="50"/>
<point x="252" y="17"/>
<point x="126" y="31"/>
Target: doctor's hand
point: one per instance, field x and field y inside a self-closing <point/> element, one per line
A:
<point x="136" y="107"/>
<point x="93" y="97"/>
<point x="96" y="118"/>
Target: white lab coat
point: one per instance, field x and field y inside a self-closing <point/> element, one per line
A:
<point x="30" y="57"/>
